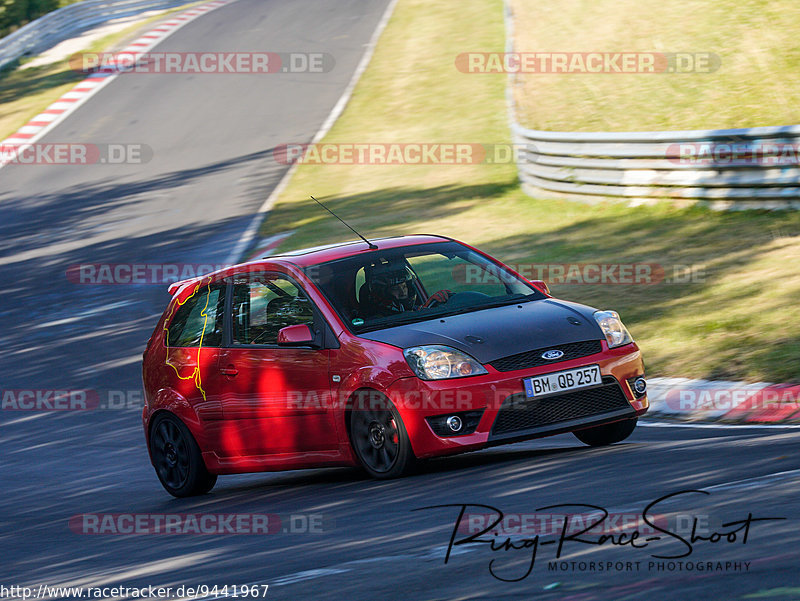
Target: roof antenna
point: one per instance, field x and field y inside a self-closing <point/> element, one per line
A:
<point x="370" y="244"/>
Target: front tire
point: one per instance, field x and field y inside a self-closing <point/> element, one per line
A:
<point x="379" y="437"/>
<point x="600" y="436"/>
<point x="177" y="458"/>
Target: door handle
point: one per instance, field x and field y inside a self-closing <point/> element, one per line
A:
<point x="229" y="371"/>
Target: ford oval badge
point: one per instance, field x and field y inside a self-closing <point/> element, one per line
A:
<point x="551" y="355"/>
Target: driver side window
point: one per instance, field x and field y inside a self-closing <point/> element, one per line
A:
<point x="263" y="304"/>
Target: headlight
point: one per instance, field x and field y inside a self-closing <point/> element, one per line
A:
<point x="613" y="329"/>
<point x="435" y="362"/>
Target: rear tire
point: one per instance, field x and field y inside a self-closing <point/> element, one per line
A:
<point x="379" y="437"/>
<point x="177" y="459"/>
<point x="600" y="436"/>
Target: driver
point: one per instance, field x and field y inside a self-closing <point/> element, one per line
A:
<point x="392" y="289"/>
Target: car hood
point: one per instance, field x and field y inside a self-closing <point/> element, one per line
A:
<point x="490" y="334"/>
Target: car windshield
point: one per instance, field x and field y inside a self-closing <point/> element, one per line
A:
<point x="385" y="288"/>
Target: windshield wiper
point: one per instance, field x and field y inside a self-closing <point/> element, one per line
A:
<point x="412" y="316"/>
<point x="498" y="303"/>
<point x="441" y="311"/>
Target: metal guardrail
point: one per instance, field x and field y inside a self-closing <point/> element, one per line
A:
<point x="732" y="164"/>
<point x="730" y="168"/>
<point x="54" y="27"/>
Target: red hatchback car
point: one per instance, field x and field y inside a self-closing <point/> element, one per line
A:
<point x="375" y="354"/>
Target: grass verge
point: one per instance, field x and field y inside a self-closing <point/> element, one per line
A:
<point x="735" y="320"/>
<point x="757" y="83"/>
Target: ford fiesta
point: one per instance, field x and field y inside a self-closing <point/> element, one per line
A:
<point x="375" y="354"/>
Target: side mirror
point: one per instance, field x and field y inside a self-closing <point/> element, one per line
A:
<point x="541" y="286"/>
<point x="297" y="335"/>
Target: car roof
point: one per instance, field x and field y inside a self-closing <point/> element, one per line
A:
<point x="307" y="257"/>
<point x="322" y="254"/>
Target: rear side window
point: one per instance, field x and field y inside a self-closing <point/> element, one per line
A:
<point x="198" y="321"/>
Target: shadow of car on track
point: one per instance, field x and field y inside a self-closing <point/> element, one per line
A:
<point x="478" y="465"/>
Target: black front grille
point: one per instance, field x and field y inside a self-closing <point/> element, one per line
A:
<point x="519" y="413"/>
<point x="572" y="350"/>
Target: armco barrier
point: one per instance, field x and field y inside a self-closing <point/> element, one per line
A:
<point x="757" y="167"/>
<point x="52" y="28"/>
<point x="756" y="164"/>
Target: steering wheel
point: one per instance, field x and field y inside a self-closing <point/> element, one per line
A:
<point x="438" y="298"/>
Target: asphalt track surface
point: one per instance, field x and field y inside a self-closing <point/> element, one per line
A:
<point x="212" y="137"/>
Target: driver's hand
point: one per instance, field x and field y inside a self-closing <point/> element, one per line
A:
<point x="438" y="298"/>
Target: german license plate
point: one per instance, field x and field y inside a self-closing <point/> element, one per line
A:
<point x="561" y="381"/>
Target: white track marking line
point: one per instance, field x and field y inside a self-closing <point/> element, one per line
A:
<point x="654" y="424"/>
<point x="749" y="482"/>
<point x="96" y="82"/>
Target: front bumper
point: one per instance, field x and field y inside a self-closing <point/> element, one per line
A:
<point x="507" y="415"/>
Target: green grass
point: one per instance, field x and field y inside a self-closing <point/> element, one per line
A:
<point x="739" y="322"/>
<point x="16" y="13"/>
<point x="757" y="83"/>
<point x="24" y="93"/>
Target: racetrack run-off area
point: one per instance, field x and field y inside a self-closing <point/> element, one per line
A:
<point x="78" y="483"/>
